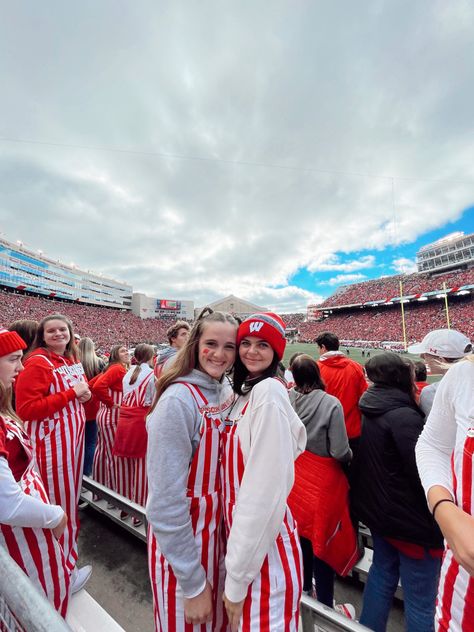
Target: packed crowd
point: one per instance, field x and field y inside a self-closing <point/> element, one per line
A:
<point x="389" y="287"/>
<point x="105" y="326"/>
<point x="381" y="324"/>
<point x="189" y="434"/>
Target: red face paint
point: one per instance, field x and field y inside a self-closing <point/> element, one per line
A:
<point x="205" y="351"/>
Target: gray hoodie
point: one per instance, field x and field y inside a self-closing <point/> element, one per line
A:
<point x="323" y="418"/>
<point x="173" y="437"/>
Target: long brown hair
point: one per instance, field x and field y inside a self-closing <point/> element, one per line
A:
<point x="114" y="357"/>
<point x="142" y="353"/>
<point x="187" y="358"/>
<point x="38" y="343"/>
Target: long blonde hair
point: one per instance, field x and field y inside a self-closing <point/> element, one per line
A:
<point x="89" y="359"/>
<point x="6" y="407"/>
<point x="187" y="358"/>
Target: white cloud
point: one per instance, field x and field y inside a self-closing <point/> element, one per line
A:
<point x="403" y="265"/>
<point x="296" y="148"/>
<point x="345" y="279"/>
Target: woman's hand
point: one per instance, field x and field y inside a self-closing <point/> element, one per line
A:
<point x="82" y="391"/>
<point x="234" y="612"/>
<point x="458" y="529"/>
<point x="59" y="529"/>
<point x="198" y="609"/>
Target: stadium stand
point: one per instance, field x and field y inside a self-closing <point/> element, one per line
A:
<point x="105" y="326"/>
<point x="386" y="288"/>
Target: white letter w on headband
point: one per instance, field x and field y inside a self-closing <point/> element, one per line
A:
<point x="256" y="326"/>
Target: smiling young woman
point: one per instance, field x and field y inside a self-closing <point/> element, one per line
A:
<point x="183" y="465"/>
<point x="49" y="397"/>
<point x="263" y="561"/>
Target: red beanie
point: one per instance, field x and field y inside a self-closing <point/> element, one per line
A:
<point x="267" y="326"/>
<point x="10" y="341"/>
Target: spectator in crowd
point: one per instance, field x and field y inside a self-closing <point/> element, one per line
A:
<point x="93" y="366"/>
<point x="344" y="378"/>
<point x="288" y="376"/>
<point x="26" y="329"/>
<point x="445" y="458"/>
<point x="108" y="389"/>
<point x="262" y="541"/>
<point x="50" y="393"/>
<point x="177" y="336"/>
<point x="388" y="497"/>
<point x="420" y="378"/>
<point x="183" y="461"/>
<point x="439" y="349"/>
<point x="319" y="499"/>
<point x="131" y="437"/>
<point x="29" y="525"/>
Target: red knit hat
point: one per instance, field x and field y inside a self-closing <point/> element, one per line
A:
<point x="10" y="341"/>
<point x="267" y="326"/>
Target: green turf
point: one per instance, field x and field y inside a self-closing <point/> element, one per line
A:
<point x="355" y="354"/>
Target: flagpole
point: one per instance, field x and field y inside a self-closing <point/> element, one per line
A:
<point x="403" y="317"/>
<point x="446" y="305"/>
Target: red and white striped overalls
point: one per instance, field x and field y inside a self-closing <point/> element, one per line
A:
<point x="131" y="472"/>
<point x="35" y="550"/>
<point x="455" y="603"/>
<point x="58" y="445"/>
<point x="203" y="491"/>
<point x="272" y="601"/>
<point x="104" y="467"/>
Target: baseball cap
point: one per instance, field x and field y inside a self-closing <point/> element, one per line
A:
<point x="444" y="343"/>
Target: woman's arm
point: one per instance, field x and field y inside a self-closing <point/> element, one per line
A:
<point x="112" y="379"/>
<point x="33" y="399"/>
<point x="266" y="483"/>
<point x="338" y="443"/>
<point x="171" y="428"/>
<point x="18" y="509"/>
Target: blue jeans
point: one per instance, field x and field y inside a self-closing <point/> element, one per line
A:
<point x="90" y="441"/>
<point x="419" y="580"/>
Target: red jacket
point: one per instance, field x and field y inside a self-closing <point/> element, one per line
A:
<point x="112" y="378"/>
<point x="344" y="378"/>
<point x="319" y="501"/>
<point x="33" y="398"/>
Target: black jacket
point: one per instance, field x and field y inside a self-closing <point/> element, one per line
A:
<point x="386" y="491"/>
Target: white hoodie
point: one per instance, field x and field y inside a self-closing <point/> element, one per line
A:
<point x="271" y="437"/>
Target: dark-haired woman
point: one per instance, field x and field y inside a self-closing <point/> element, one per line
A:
<point x="108" y="389"/>
<point x="390" y="500"/>
<point x="184" y="508"/>
<point x="263" y="437"/>
<point x="49" y="397"/>
<point x="319" y="498"/>
<point x="131" y="438"/>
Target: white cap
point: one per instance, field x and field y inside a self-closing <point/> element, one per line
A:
<point x="444" y="343"/>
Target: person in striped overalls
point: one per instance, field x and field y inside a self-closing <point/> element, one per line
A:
<point x="263" y="437"/>
<point x="183" y="466"/>
<point x="108" y="389"/>
<point x="445" y="459"/>
<point x="131" y="437"/>
<point x="49" y="396"/>
<point x="29" y="525"/>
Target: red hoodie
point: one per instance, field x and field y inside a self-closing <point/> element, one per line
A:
<point x="112" y="379"/>
<point x="34" y="399"/>
<point x="344" y="378"/>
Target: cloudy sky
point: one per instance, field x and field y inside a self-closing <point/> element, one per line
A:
<point x="273" y="150"/>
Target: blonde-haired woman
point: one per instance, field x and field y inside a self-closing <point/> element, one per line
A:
<point x="445" y="459"/>
<point x="183" y="464"/>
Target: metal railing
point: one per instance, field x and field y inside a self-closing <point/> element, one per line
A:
<point x="22" y="606"/>
<point x="316" y="617"/>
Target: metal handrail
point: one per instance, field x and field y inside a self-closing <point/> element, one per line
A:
<point x="317" y="616"/>
<point x="28" y="606"/>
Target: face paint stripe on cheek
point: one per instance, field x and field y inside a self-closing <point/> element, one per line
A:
<point x="205" y="351"/>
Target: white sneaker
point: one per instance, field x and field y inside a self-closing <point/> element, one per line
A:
<point x="80" y="577"/>
<point x="346" y="609"/>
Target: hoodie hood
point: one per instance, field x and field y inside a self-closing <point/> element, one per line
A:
<point x="306" y="404"/>
<point x="218" y="394"/>
<point x="335" y="359"/>
<point x="380" y="399"/>
<point x="166" y="354"/>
